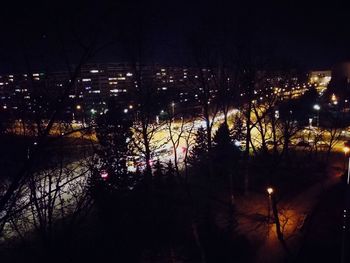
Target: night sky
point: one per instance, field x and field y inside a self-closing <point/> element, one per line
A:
<point x="37" y="33"/>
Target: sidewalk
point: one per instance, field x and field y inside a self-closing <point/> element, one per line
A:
<point x="253" y="214"/>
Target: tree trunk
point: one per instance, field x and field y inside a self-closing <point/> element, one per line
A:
<point x="277" y="221"/>
<point x="246" y="154"/>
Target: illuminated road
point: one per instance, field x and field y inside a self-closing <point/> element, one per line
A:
<point x="63" y="189"/>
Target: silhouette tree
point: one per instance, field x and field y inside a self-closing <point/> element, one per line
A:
<point x="170" y="172"/>
<point x="199" y="152"/>
<point x="224" y="149"/>
<point x="226" y="156"/>
<point x="158" y="169"/>
<point x="238" y="129"/>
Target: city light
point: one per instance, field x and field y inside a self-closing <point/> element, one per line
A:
<point x="104" y="174"/>
<point x="127" y="132"/>
<point x="317" y="107"/>
<point x="269" y="190"/>
<point x="334" y="99"/>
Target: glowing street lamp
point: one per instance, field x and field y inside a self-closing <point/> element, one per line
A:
<point x="334" y="99"/>
<point x="317" y="108"/>
<point x="78" y="107"/>
<point x="270" y="192"/>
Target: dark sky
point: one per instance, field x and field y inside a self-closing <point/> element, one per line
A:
<point x="40" y="34"/>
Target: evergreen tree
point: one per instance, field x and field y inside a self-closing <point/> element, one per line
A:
<point x="225" y="152"/>
<point x="170" y="172"/>
<point x="199" y="152"/>
<point x="222" y="138"/>
<point x="226" y="156"/>
<point x="158" y="169"/>
<point x="238" y="129"/>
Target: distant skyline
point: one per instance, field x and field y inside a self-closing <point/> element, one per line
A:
<point x="314" y="36"/>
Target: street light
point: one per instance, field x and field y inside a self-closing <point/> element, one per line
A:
<point x="78" y="107"/>
<point x="317" y="108"/>
<point x="270" y="192"/>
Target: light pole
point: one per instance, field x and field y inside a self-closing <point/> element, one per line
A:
<point x="273" y="205"/>
<point x="79" y="109"/>
<point x="317" y="108"/>
<point x="269" y="191"/>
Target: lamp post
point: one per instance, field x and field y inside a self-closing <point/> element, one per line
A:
<point x="270" y="192"/>
<point x="273" y="205"/>
<point x="80" y="112"/>
<point x="317" y="108"/>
